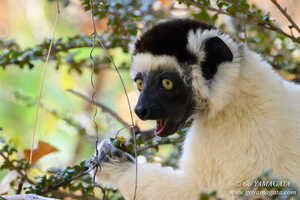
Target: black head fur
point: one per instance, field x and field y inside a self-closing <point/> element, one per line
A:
<point x="170" y="38"/>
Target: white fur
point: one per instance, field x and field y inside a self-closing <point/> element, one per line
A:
<point x="252" y="124"/>
<point x="145" y="62"/>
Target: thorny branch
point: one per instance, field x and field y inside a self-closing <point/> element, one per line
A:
<point x="287" y="16"/>
<point x="48" y="185"/>
<point x="20" y="172"/>
<point x="61" y="194"/>
<point x="55" y="187"/>
<point x="255" y="20"/>
<point x="61" y="45"/>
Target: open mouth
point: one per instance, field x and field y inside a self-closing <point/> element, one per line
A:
<point x="160" y="126"/>
<point x="166" y="127"/>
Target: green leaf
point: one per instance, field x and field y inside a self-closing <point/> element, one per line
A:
<point x="244" y="4"/>
<point x="204" y="196"/>
<point x="222" y="4"/>
<point x="202" y="15"/>
<point x="266" y="17"/>
<point x="132" y="29"/>
<point x="232" y="9"/>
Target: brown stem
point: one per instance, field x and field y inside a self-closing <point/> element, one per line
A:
<point x="62" y="195"/>
<point x="97" y="90"/>
<point x="20" y="186"/>
<point x="255" y="21"/>
<point x="22" y="174"/>
<point x="100" y="105"/>
<point x="161" y="142"/>
<point x="287" y="16"/>
<point x="78" y="148"/>
<point x="56" y="186"/>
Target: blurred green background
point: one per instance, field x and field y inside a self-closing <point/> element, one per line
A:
<point x="28" y="24"/>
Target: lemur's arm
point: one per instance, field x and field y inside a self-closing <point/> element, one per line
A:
<point x="154" y="182"/>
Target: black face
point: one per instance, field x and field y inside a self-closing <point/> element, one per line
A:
<point x="165" y="98"/>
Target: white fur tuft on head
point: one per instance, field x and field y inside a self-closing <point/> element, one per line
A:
<point x="146" y="62"/>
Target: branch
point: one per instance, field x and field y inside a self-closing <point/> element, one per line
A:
<point x="15" y="55"/>
<point x="63" y="195"/>
<point x="26" y="197"/>
<point x="29" y="101"/>
<point x="287" y="16"/>
<point x="255" y="20"/>
<point x="162" y="142"/>
<point x="146" y="134"/>
<point x="22" y="174"/>
<point x="55" y="187"/>
<point x="100" y="105"/>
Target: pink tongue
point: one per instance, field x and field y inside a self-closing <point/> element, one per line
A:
<point x="159" y="126"/>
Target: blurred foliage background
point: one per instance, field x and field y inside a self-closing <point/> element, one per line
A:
<point x="65" y="126"/>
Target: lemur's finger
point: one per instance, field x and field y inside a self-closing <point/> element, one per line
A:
<point x="107" y="152"/>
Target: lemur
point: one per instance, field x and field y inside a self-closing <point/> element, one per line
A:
<point x="246" y="118"/>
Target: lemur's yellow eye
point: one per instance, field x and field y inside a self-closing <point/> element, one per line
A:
<point x="139" y="84"/>
<point x="167" y="84"/>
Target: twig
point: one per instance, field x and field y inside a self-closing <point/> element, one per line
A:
<point x="20" y="186"/>
<point x="43" y="80"/>
<point x="93" y="86"/>
<point x="287" y="16"/>
<point x="146" y="134"/>
<point x="100" y="105"/>
<point x="77" y="149"/>
<point x="245" y="34"/>
<point x="54" y="187"/>
<point x="102" y="67"/>
<point x="132" y="126"/>
<point x="127" y="98"/>
<point x="161" y="142"/>
<point x="26" y="197"/>
<point x="22" y="174"/>
<point x="61" y="194"/>
<point x="255" y="21"/>
<point x="68" y="120"/>
<point x="30" y="102"/>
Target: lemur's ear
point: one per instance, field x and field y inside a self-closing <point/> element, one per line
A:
<point x="216" y="52"/>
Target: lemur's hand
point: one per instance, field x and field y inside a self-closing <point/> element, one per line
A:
<point x="113" y="162"/>
<point x="108" y="153"/>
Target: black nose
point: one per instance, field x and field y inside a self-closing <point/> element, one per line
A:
<point x="142" y="112"/>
